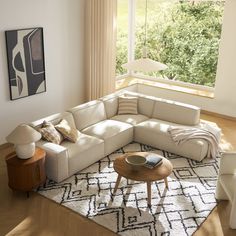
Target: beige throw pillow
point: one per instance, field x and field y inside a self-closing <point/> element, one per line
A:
<point x="128" y="105"/>
<point x="67" y="131"/>
<point x="49" y="133"/>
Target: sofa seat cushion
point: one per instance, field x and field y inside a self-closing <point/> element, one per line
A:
<point x="84" y="152"/>
<point x="155" y="133"/>
<point x="130" y="119"/>
<point x="115" y="134"/>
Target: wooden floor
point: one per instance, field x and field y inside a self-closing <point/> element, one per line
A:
<point x="37" y="215"/>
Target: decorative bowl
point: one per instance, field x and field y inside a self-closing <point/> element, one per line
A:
<point x="135" y="161"/>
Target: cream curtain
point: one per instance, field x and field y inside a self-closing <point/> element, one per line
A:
<point x="100" y="40"/>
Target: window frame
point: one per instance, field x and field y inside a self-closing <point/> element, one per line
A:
<point x="131" y="56"/>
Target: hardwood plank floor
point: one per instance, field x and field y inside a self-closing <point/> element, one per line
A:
<point x="37" y="215"/>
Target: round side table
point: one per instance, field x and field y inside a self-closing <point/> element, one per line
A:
<point x="26" y="174"/>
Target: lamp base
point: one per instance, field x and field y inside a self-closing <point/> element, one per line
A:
<point x="25" y="151"/>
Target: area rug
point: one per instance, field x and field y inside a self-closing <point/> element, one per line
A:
<point x="177" y="211"/>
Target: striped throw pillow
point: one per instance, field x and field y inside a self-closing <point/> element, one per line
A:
<point x="128" y="105"/>
<point x="49" y="133"/>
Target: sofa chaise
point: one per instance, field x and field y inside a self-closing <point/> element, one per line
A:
<point x="102" y="130"/>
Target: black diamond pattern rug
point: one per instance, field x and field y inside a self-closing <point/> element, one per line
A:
<point x="177" y="211"/>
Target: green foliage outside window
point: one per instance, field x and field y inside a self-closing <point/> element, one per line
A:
<point x="183" y="35"/>
<point x="121" y="52"/>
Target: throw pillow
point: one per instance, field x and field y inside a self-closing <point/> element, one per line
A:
<point x="67" y="131"/>
<point x="49" y="133"/>
<point x="128" y="105"/>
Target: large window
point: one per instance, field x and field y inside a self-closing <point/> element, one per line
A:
<point x="122" y="36"/>
<point x="183" y="34"/>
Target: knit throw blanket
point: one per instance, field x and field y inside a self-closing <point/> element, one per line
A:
<point x="205" y="131"/>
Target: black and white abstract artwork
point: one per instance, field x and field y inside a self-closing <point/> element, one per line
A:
<point x="25" y="54"/>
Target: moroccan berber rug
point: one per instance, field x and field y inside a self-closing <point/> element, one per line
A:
<point x="177" y="211"/>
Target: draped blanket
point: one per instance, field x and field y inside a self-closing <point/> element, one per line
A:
<point x="204" y="131"/>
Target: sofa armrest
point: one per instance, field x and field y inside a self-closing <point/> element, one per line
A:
<point x="56" y="161"/>
<point x="228" y="163"/>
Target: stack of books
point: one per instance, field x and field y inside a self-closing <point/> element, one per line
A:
<point x="153" y="160"/>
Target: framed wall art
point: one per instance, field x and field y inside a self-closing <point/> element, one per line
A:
<point x="25" y="55"/>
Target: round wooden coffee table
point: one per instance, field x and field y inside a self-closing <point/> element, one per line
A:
<point x="145" y="174"/>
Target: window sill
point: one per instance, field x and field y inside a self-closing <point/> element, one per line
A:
<point x="128" y="81"/>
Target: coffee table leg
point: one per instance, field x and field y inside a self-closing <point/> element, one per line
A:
<point x="166" y="183"/>
<point x="149" y="183"/>
<point x="117" y="183"/>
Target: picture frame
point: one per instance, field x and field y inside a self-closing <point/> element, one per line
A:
<point x="26" y="66"/>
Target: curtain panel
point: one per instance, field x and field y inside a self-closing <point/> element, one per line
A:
<point x="100" y="51"/>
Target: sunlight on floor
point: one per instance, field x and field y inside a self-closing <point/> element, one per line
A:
<point x="225" y="143"/>
<point x="24" y="227"/>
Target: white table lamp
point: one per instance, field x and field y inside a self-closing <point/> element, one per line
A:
<point x="24" y="138"/>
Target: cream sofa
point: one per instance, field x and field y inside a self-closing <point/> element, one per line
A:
<point x="226" y="184"/>
<point x="103" y="132"/>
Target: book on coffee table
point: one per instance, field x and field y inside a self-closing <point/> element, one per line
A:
<point x="153" y="161"/>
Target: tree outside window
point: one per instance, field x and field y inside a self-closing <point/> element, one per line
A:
<point x="184" y="35"/>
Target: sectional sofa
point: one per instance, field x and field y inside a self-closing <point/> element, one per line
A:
<point x="102" y="131"/>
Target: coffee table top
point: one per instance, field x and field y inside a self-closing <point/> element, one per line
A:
<point x="143" y="173"/>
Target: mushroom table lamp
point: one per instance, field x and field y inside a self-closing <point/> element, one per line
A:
<point x="24" y="138"/>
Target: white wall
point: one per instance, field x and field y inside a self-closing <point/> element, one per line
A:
<point x="224" y="101"/>
<point x="63" y="23"/>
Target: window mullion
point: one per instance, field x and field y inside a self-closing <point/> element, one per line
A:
<point x="131" y="32"/>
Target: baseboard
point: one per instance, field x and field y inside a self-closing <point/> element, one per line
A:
<point x="218" y="115"/>
<point x="5" y="145"/>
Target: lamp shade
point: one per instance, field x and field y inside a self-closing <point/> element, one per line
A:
<point x="23" y="134"/>
<point x="145" y="65"/>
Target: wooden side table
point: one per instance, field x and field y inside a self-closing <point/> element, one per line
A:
<point x="26" y="174"/>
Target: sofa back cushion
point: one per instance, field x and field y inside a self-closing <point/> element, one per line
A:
<point x="88" y="114"/>
<point x="111" y="105"/>
<point x="145" y="103"/>
<point x="176" y="112"/>
<point x="55" y="119"/>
